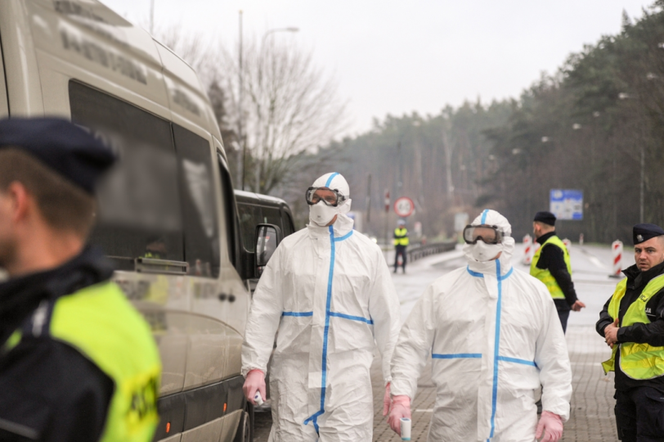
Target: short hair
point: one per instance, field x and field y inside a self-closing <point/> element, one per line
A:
<point x="62" y="204"/>
<point x="544" y="225"/>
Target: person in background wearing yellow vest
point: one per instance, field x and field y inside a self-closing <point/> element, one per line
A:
<point x="77" y="361"/>
<point x="632" y="324"/>
<point x="551" y="265"/>
<point x="400" y="244"/>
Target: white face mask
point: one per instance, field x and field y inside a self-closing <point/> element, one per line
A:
<point x="483" y="252"/>
<point x="321" y="214"/>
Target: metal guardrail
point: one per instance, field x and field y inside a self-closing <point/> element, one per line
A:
<point x="415" y="253"/>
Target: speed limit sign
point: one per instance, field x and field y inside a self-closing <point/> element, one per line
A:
<point x="404" y="206"/>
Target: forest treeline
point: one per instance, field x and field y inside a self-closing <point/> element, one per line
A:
<point x="596" y="125"/>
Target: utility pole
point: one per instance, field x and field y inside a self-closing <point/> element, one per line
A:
<point x="387" y="213"/>
<point x="399" y="171"/>
<point x="152" y="16"/>
<point x="243" y="146"/>
<point x="642" y="184"/>
<point x="368" y="201"/>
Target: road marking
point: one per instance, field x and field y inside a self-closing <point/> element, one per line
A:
<point x="597" y="262"/>
<point x="424" y="410"/>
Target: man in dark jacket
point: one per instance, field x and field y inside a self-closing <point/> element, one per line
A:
<point x="551" y="265"/>
<point x="632" y="324"/>
<point x="77" y="362"/>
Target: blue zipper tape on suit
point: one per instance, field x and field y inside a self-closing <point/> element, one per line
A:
<point x="297" y="313"/>
<point x="328" y="313"/>
<point x="352" y="318"/>
<point x="457" y="356"/>
<point x="496" y="349"/>
<point x="331" y="177"/>
<point x="484" y="214"/>
<point x="475" y="274"/>
<point x="517" y="361"/>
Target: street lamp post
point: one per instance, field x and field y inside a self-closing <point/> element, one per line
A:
<point x="258" y="162"/>
<point x="642" y="180"/>
<point x="152" y="16"/>
<point x="240" y="107"/>
<point x="288" y="29"/>
<point x="642" y="186"/>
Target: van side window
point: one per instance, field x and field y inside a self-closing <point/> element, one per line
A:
<point x="272" y="216"/>
<point x="232" y="227"/>
<point x="288" y="224"/>
<point x="139" y="204"/>
<point x="199" y="209"/>
<point x="250" y="216"/>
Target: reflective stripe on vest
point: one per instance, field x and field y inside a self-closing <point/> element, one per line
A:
<point x="545" y="275"/>
<point x="101" y="323"/>
<point x="637" y="361"/>
<point x="400" y="237"/>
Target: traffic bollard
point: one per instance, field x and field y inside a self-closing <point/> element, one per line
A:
<point x="528" y="249"/>
<point x="617" y="248"/>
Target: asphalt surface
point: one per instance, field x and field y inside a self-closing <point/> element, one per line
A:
<point x="592" y="417"/>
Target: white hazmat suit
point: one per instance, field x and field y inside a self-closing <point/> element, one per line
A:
<point x="328" y="293"/>
<point x="494" y="336"/>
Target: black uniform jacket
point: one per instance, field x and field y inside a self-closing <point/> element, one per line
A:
<point x="552" y="258"/>
<point x="48" y="390"/>
<point x="652" y="333"/>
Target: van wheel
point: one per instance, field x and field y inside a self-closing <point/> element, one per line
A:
<point x="245" y="429"/>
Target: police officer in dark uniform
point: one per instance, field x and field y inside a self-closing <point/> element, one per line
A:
<point x="400" y="245"/>
<point x="632" y="324"/>
<point x="551" y="265"/>
<point x="77" y="362"/>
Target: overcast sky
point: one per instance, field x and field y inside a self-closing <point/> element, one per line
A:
<point x="397" y="57"/>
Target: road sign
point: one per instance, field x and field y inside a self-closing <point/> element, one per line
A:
<point x="566" y="204"/>
<point x="404" y="206"/>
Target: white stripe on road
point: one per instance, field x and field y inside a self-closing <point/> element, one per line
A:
<point x="597" y="262"/>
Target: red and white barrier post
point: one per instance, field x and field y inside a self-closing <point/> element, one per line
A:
<point x="617" y="248"/>
<point x="567" y="243"/>
<point x="528" y="249"/>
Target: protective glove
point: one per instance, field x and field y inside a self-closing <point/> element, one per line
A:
<point x="255" y="381"/>
<point x="386" y="400"/>
<point x="551" y="426"/>
<point x="400" y="408"/>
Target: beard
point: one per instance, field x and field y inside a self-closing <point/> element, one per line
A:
<point x="7" y="252"/>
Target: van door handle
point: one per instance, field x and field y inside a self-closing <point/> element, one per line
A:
<point x="224" y="296"/>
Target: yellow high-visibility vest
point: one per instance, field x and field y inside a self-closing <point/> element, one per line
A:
<point x="545" y="275"/>
<point x="101" y="324"/>
<point x="400" y="236"/>
<point x="637" y="361"/>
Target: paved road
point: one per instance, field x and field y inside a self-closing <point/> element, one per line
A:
<point x="592" y="417"/>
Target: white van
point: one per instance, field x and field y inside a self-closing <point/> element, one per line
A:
<point x="167" y="214"/>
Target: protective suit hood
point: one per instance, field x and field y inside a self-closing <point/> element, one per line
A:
<point x="480" y="256"/>
<point x="320" y="214"/>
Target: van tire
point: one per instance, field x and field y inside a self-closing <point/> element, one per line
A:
<point x="245" y="429"/>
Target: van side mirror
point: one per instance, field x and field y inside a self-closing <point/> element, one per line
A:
<point x="268" y="237"/>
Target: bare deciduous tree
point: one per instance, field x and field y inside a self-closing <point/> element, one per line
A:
<point x="289" y="107"/>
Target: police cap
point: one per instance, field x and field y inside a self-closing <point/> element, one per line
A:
<point x="64" y="147"/>
<point x="643" y="232"/>
<point x="546" y="218"/>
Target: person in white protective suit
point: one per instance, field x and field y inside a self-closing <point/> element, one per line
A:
<point x="494" y="335"/>
<point x="328" y="293"/>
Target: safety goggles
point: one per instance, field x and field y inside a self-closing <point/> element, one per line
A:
<point x="488" y="234"/>
<point x="330" y="197"/>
